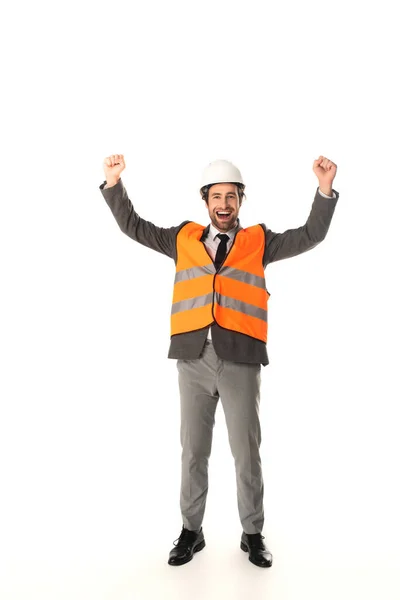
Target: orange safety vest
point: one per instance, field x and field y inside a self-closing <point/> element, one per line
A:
<point x="235" y="296"/>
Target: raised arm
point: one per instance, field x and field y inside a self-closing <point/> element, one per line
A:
<point x="157" y="238"/>
<point x="296" y="241"/>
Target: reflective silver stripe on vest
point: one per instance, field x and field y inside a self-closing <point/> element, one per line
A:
<point x="194" y="272"/>
<point x="192" y="303"/>
<point x="236" y="274"/>
<point x="243" y="307"/>
<point x="239" y="275"/>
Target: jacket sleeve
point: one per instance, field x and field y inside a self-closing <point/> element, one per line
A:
<point x="157" y="238"/>
<point x="296" y="241"/>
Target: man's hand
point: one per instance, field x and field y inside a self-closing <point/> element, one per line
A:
<point x="113" y="166"/>
<point x="325" y="170"/>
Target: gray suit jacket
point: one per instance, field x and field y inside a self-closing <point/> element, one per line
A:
<point x="229" y="345"/>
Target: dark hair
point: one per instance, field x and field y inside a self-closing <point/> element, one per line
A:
<point x="240" y="188"/>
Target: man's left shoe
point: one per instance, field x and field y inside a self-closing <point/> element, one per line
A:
<point x="258" y="552"/>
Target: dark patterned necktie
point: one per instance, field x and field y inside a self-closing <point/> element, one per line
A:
<point x="221" y="251"/>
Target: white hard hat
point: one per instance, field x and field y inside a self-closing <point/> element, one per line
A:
<point x="220" y="171"/>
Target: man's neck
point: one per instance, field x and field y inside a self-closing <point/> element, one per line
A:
<point x="225" y="230"/>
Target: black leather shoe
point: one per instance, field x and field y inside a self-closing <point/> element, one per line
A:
<point x="188" y="543"/>
<point x="258" y="552"/>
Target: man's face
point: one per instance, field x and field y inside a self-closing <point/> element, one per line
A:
<point x="223" y="205"/>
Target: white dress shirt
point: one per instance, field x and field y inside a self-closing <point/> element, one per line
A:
<point x="212" y="242"/>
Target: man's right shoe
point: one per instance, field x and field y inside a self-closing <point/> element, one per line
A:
<point x="187" y="544"/>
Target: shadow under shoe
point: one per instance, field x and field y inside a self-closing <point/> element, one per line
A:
<point x="187" y="544"/>
<point x="259" y="554"/>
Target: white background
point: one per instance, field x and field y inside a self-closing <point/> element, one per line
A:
<point x="90" y="452"/>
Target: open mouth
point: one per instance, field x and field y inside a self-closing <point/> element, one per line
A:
<point x="223" y="215"/>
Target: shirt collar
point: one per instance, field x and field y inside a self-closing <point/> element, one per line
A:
<point x="231" y="233"/>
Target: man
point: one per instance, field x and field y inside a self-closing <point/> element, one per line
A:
<point x="219" y="331"/>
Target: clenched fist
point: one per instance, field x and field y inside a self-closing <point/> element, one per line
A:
<point x="113" y="166"/>
<point x="325" y="170"/>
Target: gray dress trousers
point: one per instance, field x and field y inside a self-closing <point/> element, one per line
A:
<point x="202" y="382"/>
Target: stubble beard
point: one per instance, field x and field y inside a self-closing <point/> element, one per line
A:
<point x="224" y="225"/>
